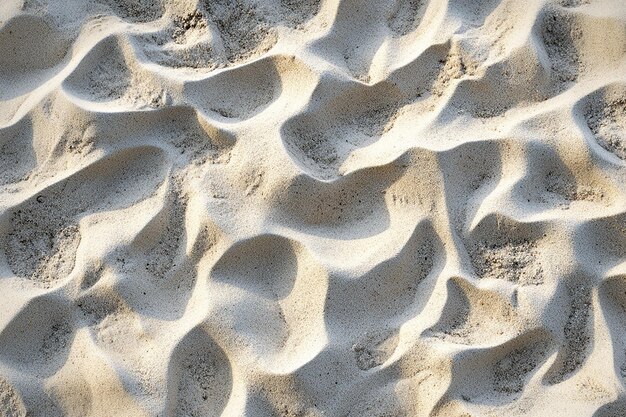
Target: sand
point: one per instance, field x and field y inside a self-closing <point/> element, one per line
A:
<point x="310" y="208"/>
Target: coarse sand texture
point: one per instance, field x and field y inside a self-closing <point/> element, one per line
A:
<point x="312" y="208"/>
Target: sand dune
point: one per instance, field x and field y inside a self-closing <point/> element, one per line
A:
<point x="312" y="208"/>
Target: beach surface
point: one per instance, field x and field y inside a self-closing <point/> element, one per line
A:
<point x="308" y="208"/>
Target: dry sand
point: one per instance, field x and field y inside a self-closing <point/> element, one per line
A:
<point x="349" y="208"/>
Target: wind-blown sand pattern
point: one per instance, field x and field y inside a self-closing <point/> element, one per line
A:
<point x="347" y="208"/>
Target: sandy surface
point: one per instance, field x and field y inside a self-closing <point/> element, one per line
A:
<point x="303" y="208"/>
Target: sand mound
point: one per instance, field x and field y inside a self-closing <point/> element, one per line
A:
<point x="312" y="208"/>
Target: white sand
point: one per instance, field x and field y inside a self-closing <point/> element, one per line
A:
<point x="350" y="208"/>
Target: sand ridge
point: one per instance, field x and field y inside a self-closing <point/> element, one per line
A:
<point x="312" y="208"/>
